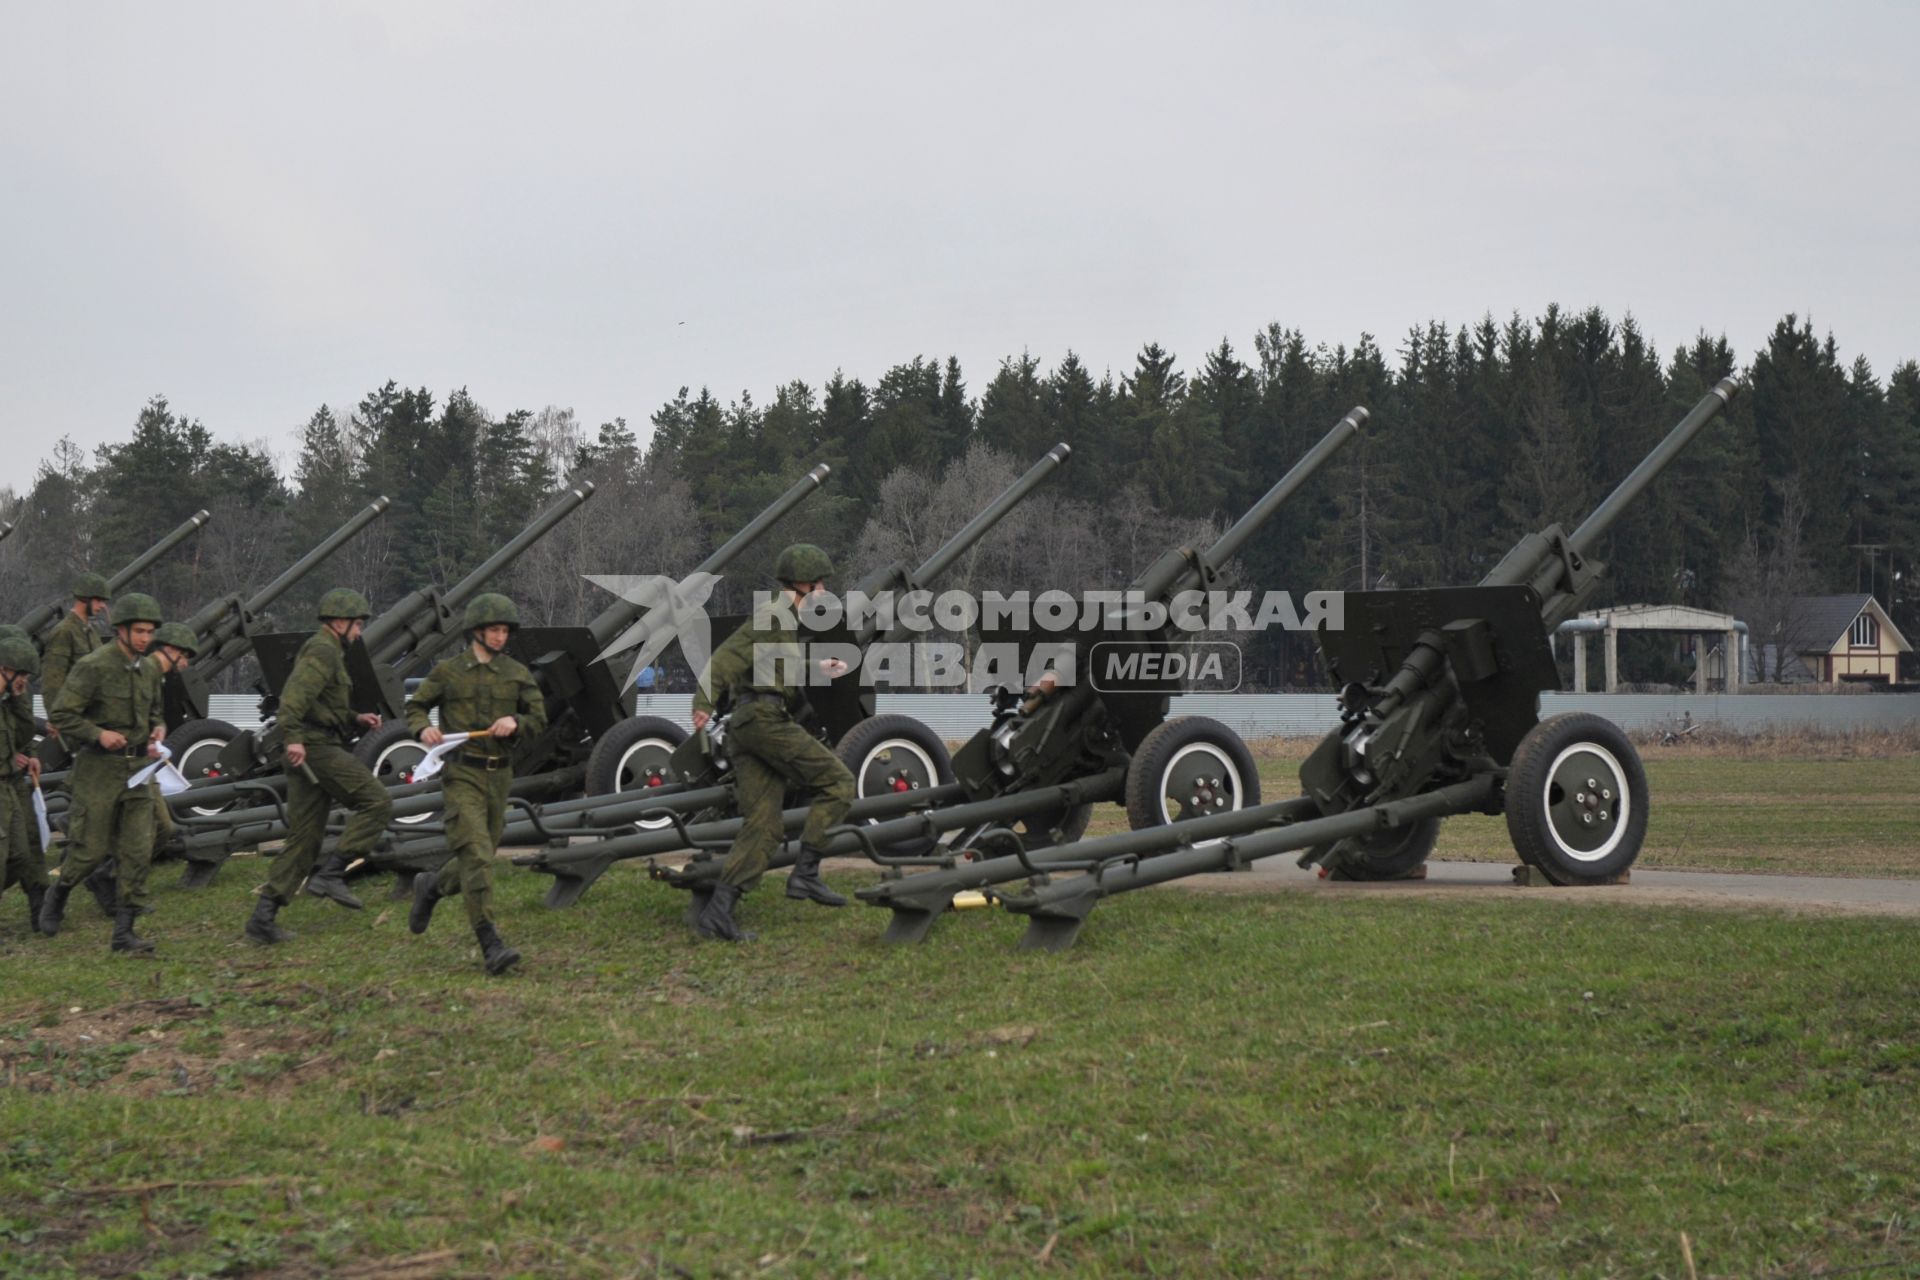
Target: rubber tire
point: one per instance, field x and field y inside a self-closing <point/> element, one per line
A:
<point x="877" y="732"/>
<point x="194" y="733"/>
<point x="1528" y="823"/>
<point x="603" y="764"/>
<point x="1158" y="750"/>
<point x="1388" y="855"/>
<point x="377" y="742"/>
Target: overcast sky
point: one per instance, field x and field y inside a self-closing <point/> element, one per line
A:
<point x="255" y="209"/>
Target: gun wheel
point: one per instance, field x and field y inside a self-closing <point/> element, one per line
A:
<point x="895" y="755"/>
<point x="196" y="747"/>
<point x="1577" y="799"/>
<point x="392" y="753"/>
<point x="1387" y="855"/>
<point x="1189" y="767"/>
<point x="634" y="756"/>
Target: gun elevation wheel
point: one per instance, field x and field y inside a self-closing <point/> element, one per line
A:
<point x="196" y="747"/>
<point x="392" y="752"/>
<point x="1189" y="767"/>
<point x="891" y="755"/>
<point x="1387" y="855"/>
<point x="634" y="756"/>
<point x="1577" y="799"/>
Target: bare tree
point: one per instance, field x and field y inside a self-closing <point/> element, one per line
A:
<point x="1767" y="587"/>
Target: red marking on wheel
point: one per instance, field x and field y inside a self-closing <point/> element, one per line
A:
<point x="900" y="784"/>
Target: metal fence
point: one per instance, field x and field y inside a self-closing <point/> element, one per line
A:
<point x="1288" y="715"/>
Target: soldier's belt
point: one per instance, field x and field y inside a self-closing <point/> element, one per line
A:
<point x="747" y="697"/>
<point x="488" y="763"/>
<point x="132" y="751"/>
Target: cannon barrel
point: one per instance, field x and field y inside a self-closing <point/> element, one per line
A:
<point x="975" y="529"/>
<point x="223" y="627"/>
<point x="1175" y="571"/>
<point x="146" y="558"/>
<point x="6" y="529"/>
<point x="46" y="615"/>
<point x="618" y="617"/>
<point x="416" y="619"/>
<point x="1595" y="526"/>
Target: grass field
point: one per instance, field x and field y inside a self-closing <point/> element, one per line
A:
<point x="1204" y="1086"/>
<point x="1821" y="814"/>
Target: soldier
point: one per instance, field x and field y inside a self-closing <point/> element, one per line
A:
<point x="491" y="696"/>
<point x="109" y="715"/>
<point x="174" y="648"/>
<point x="769" y="751"/>
<point x="25" y="864"/>
<point x="318" y="721"/>
<point x="73" y="638"/>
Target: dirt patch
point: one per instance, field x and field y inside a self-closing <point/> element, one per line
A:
<point x="163" y="1047"/>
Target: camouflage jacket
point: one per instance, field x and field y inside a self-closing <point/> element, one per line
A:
<point x="314" y="705"/>
<point x="471" y="695"/>
<point x="70" y="641"/>
<point x="105" y="691"/>
<point x="16" y="730"/>
<point x="770" y="637"/>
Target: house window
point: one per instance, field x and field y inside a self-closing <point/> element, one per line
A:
<point x="1865" y="633"/>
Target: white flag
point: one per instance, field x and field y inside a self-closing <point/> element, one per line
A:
<point x="40" y="812"/>
<point x="145" y="776"/>
<point x="431" y="763"/>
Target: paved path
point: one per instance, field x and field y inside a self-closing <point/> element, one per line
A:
<point x="1711" y="888"/>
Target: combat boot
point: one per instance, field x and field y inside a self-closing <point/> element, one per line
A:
<point x="426" y="896"/>
<point x="717" y="920"/>
<point x="124" y="938"/>
<point x="330" y="881"/>
<point x="804" y="882"/>
<point x="497" y="955"/>
<point x="260" y="927"/>
<point x="36" y="899"/>
<point x="104" y="885"/>
<point x="54" y="909"/>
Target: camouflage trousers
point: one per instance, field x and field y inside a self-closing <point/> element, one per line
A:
<point x="337" y="777"/>
<point x="476" y="804"/>
<point x="771" y="753"/>
<point x="109" y="819"/>
<point x="26" y="863"/>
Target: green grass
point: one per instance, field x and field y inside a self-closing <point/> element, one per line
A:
<point x="1204" y="1086"/>
<point x="1715" y="813"/>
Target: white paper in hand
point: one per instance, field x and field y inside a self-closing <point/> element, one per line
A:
<point x="145" y="776"/>
<point x="40" y="814"/>
<point x="436" y="757"/>
<point x="172" y="781"/>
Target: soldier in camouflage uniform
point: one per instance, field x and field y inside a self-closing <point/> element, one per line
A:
<point x="25" y="864"/>
<point x="318" y="721"/>
<point x="769" y="751"/>
<point x="73" y="638"/>
<point x="109" y="714"/>
<point x="173" y="649"/>
<point x="490" y="695"/>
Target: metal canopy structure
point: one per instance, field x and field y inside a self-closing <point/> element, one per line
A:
<point x="1609" y="623"/>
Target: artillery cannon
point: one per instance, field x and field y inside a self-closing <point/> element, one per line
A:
<point x="226" y="631"/>
<point x="1040" y="767"/>
<point x="1442" y="719"/>
<point x="41" y="620"/>
<point x="231" y="764"/>
<point x="890" y="754"/>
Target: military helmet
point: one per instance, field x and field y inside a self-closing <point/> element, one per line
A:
<point x="14" y="631"/>
<point x="343" y="602"/>
<point x="18" y="654"/>
<point x="90" y="586"/>
<point x="136" y="606"/>
<point x="486" y="610"/>
<point x="803" y="562"/>
<point x="178" y="635"/>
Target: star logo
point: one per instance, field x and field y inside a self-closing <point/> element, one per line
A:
<point x="673" y="609"/>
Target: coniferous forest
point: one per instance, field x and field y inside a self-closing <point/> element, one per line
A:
<point x="1810" y="483"/>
